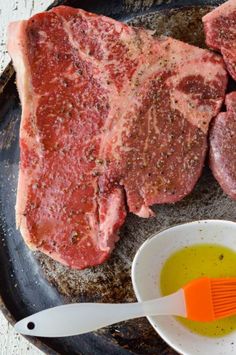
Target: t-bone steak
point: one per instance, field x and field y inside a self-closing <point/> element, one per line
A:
<point x="113" y="120"/>
<point x="220" y="29"/>
<point x="222" y="147"/>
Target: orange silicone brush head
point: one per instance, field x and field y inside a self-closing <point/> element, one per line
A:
<point x="210" y="299"/>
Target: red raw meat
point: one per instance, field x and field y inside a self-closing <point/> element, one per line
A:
<point x="222" y="147"/>
<point x="220" y="30"/>
<point x="110" y="115"/>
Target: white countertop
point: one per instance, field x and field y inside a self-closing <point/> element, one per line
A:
<point x="11" y="10"/>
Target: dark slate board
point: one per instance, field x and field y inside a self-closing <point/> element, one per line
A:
<point x="30" y="282"/>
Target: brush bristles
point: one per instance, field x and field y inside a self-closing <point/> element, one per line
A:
<point x="223" y="296"/>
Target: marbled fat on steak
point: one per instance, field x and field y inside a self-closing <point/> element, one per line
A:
<point x="220" y="30"/>
<point x="111" y="117"/>
<point x="222" y="147"/>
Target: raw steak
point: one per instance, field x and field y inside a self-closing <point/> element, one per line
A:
<point x="220" y="29"/>
<point x="111" y="117"/>
<point x="222" y="147"/>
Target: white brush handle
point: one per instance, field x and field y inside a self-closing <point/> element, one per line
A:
<point x="79" y="318"/>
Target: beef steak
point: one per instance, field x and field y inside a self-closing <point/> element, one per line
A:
<point x="220" y="30"/>
<point x="111" y="116"/>
<point x="222" y="147"/>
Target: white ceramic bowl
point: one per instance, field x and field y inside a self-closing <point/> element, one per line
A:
<point x="146" y="270"/>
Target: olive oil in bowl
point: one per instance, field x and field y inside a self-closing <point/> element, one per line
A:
<point x="196" y="261"/>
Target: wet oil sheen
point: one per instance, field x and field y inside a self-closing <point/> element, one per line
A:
<point x="196" y="261"/>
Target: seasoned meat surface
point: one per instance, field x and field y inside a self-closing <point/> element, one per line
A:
<point x="113" y="120"/>
<point x="220" y="30"/>
<point x="222" y="147"/>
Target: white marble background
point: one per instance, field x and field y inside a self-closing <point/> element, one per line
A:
<point x="12" y="10"/>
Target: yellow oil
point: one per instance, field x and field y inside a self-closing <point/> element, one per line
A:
<point x="195" y="261"/>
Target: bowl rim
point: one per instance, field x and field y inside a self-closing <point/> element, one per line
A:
<point x="160" y="332"/>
